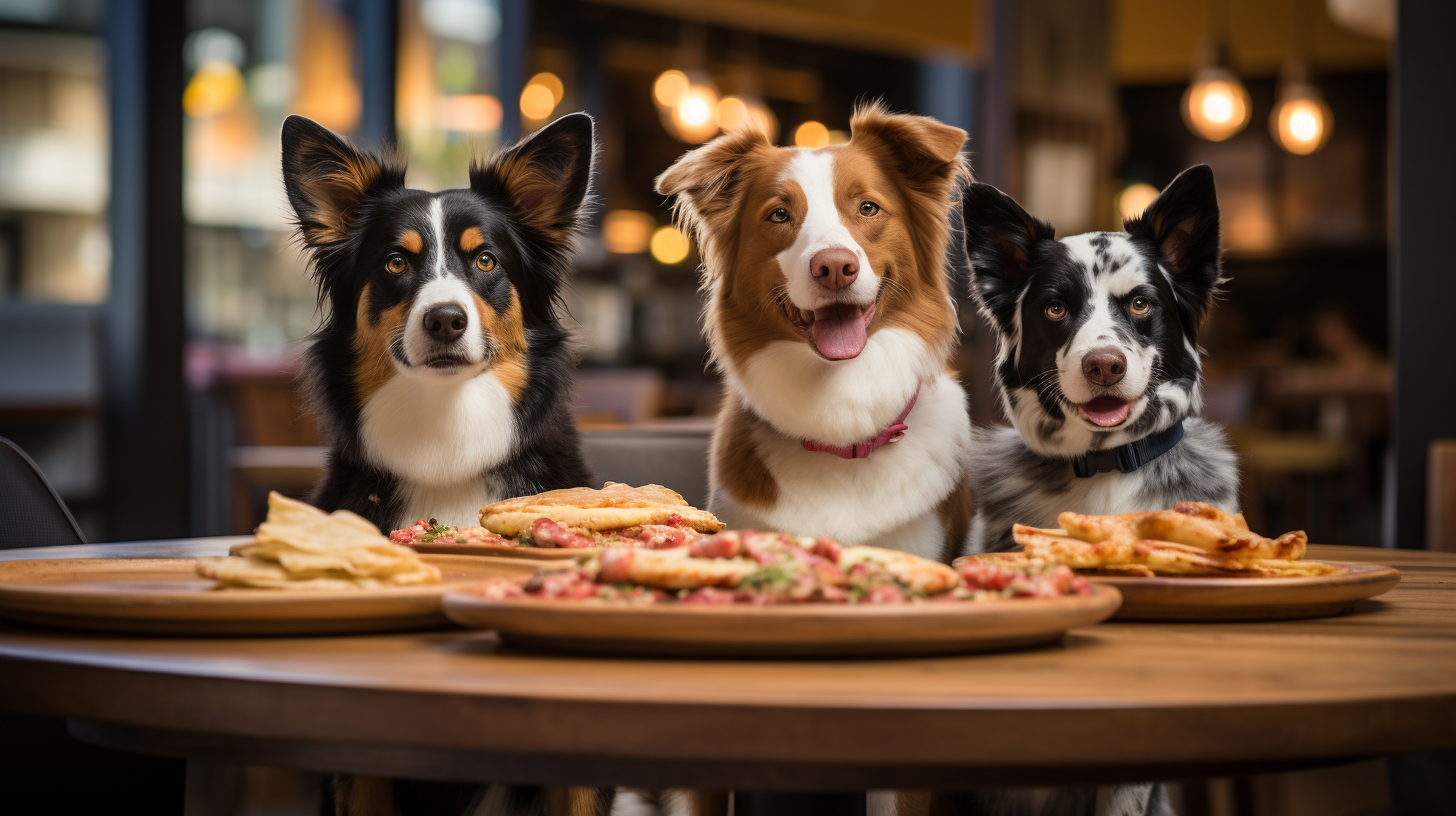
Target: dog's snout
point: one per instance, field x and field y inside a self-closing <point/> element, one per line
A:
<point x="834" y="268"/>
<point x="1104" y="366"/>
<point x="445" y="322"/>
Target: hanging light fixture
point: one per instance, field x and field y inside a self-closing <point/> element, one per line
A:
<point x="1216" y="104"/>
<point x="1301" y="121"/>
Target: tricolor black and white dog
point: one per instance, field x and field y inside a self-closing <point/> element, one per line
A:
<point x="1097" y="362"/>
<point x="441" y="373"/>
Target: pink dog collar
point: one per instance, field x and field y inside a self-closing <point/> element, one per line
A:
<point x="862" y="450"/>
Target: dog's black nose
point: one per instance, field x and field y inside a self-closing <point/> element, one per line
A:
<point x="445" y="322"/>
<point x="1104" y="366"/>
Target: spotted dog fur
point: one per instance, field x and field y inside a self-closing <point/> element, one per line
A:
<point x="1168" y="262"/>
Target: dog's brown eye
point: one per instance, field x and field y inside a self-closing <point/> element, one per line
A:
<point x="779" y="215"/>
<point x="1055" y="310"/>
<point x="485" y="262"/>
<point x="396" y="264"/>
<point x="869" y="209"/>
<point x="1141" y="305"/>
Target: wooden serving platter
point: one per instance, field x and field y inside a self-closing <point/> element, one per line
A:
<point x="167" y="596"/>
<point x="797" y="630"/>
<point x="1244" y="598"/>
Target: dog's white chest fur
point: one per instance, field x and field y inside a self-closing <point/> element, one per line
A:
<point x="440" y="438"/>
<point x="888" y="499"/>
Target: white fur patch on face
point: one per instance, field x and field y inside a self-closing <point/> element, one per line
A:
<point x="840" y="402"/>
<point x="821" y="229"/>
<point x="442" y="287"/>
<point x="438" y="432"/>
<point x="1101" y="329"/>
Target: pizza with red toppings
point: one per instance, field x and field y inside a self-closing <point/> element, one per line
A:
<point x="616" y="516"/>
<point x="747" y="567"/>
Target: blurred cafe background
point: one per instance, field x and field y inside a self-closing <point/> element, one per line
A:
<point x="153" y="301"/>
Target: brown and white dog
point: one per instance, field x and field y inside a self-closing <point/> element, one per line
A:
<point x="830" y="316"/>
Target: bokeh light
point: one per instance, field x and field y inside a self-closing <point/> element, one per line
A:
<point x="1134" y="199"/>
<point x="1216" y="105"/>
<point x="811" y="134"/>
<point x="627" y="232"/>
<point x="1301" y="123"/>
<point x="669" y="246"/>
<point x="669" y="88"/>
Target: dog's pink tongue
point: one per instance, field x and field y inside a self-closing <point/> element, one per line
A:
<point x="1106" y="411"/>
<point x="839" y="331"/>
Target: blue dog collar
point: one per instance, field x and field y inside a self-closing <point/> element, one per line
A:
<point x="1129" y="457"/>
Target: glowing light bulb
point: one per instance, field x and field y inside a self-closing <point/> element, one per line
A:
<point x="695" y="117"/>
<point x="669" y="246"/>
<point x="694" y="111"/>
<point x="1216" y="105"/>
<point x="1301" y="122"/>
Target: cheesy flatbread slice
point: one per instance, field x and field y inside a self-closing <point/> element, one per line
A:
<point x="919" y="574"/>
<point x="614" y="507"/>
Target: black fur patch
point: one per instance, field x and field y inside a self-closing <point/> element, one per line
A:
<point x="529" y="261"/>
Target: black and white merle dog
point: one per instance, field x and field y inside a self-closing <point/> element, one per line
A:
<point x="441" y="373"/>
<point x="1097" y="362"/>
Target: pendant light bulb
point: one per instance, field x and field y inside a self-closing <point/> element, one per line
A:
<point x="1216" y="105"/>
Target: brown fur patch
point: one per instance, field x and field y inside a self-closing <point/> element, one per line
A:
<point x="471" y="239"/>
<point x="955" y="512"/>
<point x="736" y="462"/>
<point x="412" y="241"/>
<point x="373" y="365"/>
<point x="508" y="331"/>
<point x="334" y="186"/>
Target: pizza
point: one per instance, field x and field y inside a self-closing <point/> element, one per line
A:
<point x="299" y="546"/>
<point x="615" y="511"/>
<point x="753" y="568"/>
<point x="1194" y="538"/>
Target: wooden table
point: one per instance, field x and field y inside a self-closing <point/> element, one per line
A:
<point x="1116" y="702"/>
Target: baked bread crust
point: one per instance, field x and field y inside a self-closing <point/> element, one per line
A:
<point x="615" y="506"/>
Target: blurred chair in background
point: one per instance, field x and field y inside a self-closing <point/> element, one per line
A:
<point x="30" y="509"/>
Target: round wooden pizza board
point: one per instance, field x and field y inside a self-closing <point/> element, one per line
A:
<point x="791" y="630"/>
<point x="1193" y="598"/>
<point x="167" y="596"/>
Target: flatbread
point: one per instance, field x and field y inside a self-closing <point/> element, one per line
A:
<point x="301" y="547"/>
<point x="614" y="507"/>
<point x="920" y="574"/>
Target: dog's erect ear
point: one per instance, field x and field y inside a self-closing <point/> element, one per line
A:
<point x="1000" y="240"/>
<point x="706" y="180"/>
<point x="923" y="151"/>
<point x="326" y="179"/>
<point x="545" y="177"/>
<point x="1182" y="225"/>
<point x="707" y="183"/>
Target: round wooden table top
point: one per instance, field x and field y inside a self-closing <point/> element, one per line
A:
<point x="1117" y="701"/>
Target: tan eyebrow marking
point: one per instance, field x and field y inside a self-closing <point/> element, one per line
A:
<point x="411" y="240"/>
<point x="471" y="239"/>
